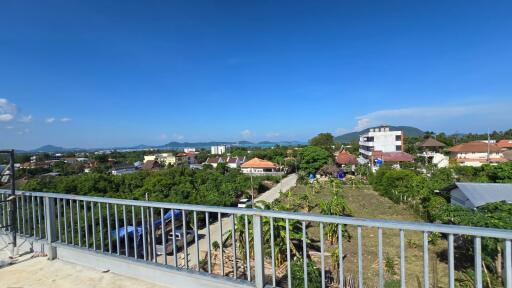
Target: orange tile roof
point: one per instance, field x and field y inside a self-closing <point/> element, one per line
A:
<point x="258" y="163"/>
<point x="183" y="154"/>
<point x="504" y="143"/>
<point x="344" y="158"/>
<point x="398" y="156"/>
<point x="475" y="146"/>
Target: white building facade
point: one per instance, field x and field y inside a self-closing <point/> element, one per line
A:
<point x="380" y="139"/>
<point x="220" y="149"/>
<point x="163" y="158"/>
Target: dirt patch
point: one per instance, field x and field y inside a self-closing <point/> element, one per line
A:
<point x="366" y="203"/>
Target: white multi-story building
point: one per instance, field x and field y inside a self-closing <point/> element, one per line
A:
<point x="189" y="149"/>
<point x="220" y="149"/>
<point x="380" y="139"/>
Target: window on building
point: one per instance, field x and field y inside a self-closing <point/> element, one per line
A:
<point x="398" y="147"/>
<point x="398" y="137"/>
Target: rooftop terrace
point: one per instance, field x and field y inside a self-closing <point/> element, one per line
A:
<point x="125" y="237"/>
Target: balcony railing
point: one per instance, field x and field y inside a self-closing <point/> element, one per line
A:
<point x="155" y="232"/>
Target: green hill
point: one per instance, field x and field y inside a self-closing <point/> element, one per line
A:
<point x="408" y="131"/>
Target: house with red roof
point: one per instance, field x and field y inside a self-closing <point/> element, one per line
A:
<point x="344" y="158"/>
<point x="260" y="167"/>
<point x="186" y="157"/>
<point x="393" y="157"/>
<point x="505" y="144"/>
<point x="231" y="161"/>
<point x="476" y="153"/>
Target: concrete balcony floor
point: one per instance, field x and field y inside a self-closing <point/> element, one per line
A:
<point x="28" y="271"/>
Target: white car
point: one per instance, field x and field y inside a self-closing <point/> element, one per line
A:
<point x="244" y="203"/>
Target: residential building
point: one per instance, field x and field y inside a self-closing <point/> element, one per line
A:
<point x="163" y="158"/>
<point x="56" y="157"/>
<point x="344" y="158"/>
<point x="217" y="150"/>
<point x="122" y="169"/>
<point x="151" y="165"/>
<point x="505" y="144"/>
<point x="231" y="161"/>
<point x="39" y="164"/>
<point x="381" y="139"/>
<point x="507" y="154"/>
<point x="476" y="153"/>
<point x="259" y="166"/>
<point x="474" y="195"/>
<point x="189" y="149"/>
<point x="394" y="158"/>
<point x="431" y="151"/>
<point x="235" y="161"/>
<point x="214" y="161"/>
<point x="187" y="158"/>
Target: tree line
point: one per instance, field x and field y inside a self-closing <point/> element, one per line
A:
<point x="209" y="186"/>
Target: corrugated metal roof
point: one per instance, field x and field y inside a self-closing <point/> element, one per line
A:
<point x="483" y="193"/>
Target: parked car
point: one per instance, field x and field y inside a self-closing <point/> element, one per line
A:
<point x="244" y="203"/>
<point x="179" y="241"/>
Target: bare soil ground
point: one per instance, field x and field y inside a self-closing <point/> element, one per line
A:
<point x="366" y="203"/>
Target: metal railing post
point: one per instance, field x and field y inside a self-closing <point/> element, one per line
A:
<point x="51" y="232"/>
<point x="259" y="269"/>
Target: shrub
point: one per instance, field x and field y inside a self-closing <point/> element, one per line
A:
<point x="314" y="276"/>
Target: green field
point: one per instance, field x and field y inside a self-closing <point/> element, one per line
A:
<point x="366" y="203"/>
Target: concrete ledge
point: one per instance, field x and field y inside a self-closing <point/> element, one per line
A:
<point x="167" y="276"/>
<point x="151" y="272"/>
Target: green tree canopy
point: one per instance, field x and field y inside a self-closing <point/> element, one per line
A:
<point x="312" y="158"/>
<point x="323" y="140"/>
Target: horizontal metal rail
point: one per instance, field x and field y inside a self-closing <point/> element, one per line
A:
<point x="144" y="231"/>
<point x="388" y="224"/>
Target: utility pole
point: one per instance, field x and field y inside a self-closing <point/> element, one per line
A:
<point x="488" y="147"/>
<point x="252" y="193"/>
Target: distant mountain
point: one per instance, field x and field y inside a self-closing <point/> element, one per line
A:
<point x="408" y="132"/>
<point x="195" y="144"/>
<point x="53" y="149"/>
<point x="170" y="145"/>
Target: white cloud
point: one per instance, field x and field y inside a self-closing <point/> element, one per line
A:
<point x="362" y="123"/>
<point x="65" y="119"/>
<point x="6" y="117"/>
<point x="439" y="117"/>
<point x="178" y="136"/>
<point x="246" y="133"/>
<point x="7" y="110"/>
<point x="26" y="119"/>
<point x="340" y="131"/>
<point x="273" y="134"/>
<point x="49" y="120"/>
<point x="24" y="131"/>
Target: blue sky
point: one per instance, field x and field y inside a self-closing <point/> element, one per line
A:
<point x="107" y="73"/>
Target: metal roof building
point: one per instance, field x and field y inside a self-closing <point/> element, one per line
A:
<point x="474" y="195"/>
